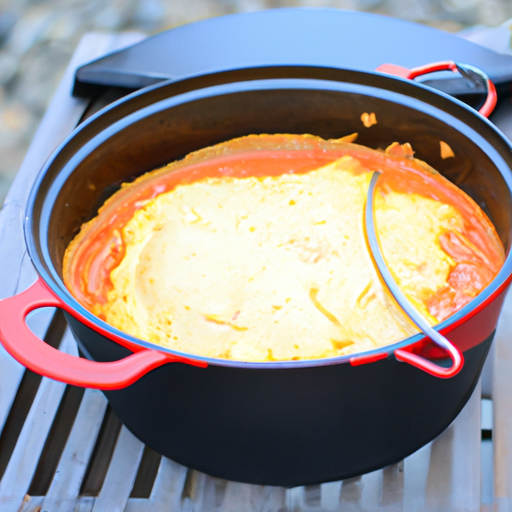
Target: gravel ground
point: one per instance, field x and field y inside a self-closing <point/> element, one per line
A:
<point x="38" y="37"/>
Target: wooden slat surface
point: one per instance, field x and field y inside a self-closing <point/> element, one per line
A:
<point x="21" y="468"/>
<point x="121" y="474"/>
<point x="16" y="272"/>
<point x="65" y="486"/>
<point x="502" y="398"/>
<point x="442" y="476"/>
<point x="502" y="376"/>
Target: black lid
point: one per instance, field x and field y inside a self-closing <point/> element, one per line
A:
<point x="296" y="36"/>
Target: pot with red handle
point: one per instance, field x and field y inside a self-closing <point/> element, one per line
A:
<point x="279" y="423"/>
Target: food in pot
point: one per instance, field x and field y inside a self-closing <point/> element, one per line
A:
<point x="255" y="250"/>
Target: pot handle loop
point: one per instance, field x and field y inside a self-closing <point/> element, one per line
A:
<point x="389" y="282"/>
<point x="430" y="367"/>
<point x="472" y="73"/>
<point x="29" y="350"/>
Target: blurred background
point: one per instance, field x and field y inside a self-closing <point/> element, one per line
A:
<point x="38" y="37"/>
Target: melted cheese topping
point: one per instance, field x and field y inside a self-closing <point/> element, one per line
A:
<point x="277" y="268"/>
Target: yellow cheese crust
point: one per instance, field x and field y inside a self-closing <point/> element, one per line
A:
<point x="276" y="268"/>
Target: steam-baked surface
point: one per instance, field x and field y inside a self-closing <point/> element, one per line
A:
<point x="276" y="267"/>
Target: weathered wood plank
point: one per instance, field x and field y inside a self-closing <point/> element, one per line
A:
<point x="168" y="487"/>
<point x="11" y="371"/>
<point x="502" y="400"/>
<point x="502" y="376"/>
<point x="416" y="469"/>
<point x="31" y="504"/>
<point x="140" y="505"/>
<point x="451" y="484"/>
<point x="84" y="504"/>
<point x="121" y="474"/>
<point x="167" y="490"/>
<point x="65" y="486"/>
<point x="466" y="493"/>
<point x="372" y="491"/>
<point x="24" y="459"/>
<point x="239" y="497"/>
<point x="212" y="494"/>
<point x="331" y="495"/>
<point x="392" y="492"/>
<point x="351" y="494"/>
<point x="193" y="491"/>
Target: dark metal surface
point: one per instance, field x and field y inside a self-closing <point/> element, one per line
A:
<point x="323" y="37"/>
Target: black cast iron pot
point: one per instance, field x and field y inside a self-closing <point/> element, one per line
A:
<point x="282" y="423"/>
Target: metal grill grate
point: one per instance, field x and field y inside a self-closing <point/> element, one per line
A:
<point x="63" y="448"/>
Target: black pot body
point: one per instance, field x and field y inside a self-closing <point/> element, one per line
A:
<point x="292" y="426"/>
<point x="271" y="424"/>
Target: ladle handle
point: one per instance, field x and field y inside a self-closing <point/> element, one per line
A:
<point x="34" y="353"/>
<point x="389" y="282"/>
<point x="466" y="70"/>
<point x="430" y="367"/>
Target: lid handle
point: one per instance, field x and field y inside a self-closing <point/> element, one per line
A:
<point x="472" y="73"/>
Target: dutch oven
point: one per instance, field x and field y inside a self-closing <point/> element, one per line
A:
<point x="277" y="423"/>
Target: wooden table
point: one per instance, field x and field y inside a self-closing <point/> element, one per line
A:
<point x="62" y="448"/>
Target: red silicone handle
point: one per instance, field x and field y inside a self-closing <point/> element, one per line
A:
<point x="38" y="356"/>
<point x="492" y="97"/>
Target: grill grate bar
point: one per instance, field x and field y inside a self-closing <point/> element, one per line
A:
<point x="330" y="495"/>
<point x="239" y="496"/>
<point x="121" y="473"/>
<point x="393" y="482"/>
<point x="371" y="492"/>
<point x="502" y="408"/>
<point x="13" y="373"/>
<point x="102" y="454"/>
<point x="32" y="504"/>
<point x="17" y="416"/>
<point x="25" y="457"/>
<point x="47" y="466"/>
<point x="84" y="504"/>
<point x="168" y="486"/>
<point x="201" y="492"/>
<point x="68" y="478"/>
<point x="143" y="505"/>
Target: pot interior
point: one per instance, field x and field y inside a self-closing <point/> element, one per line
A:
<point x="166" y="122"/>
